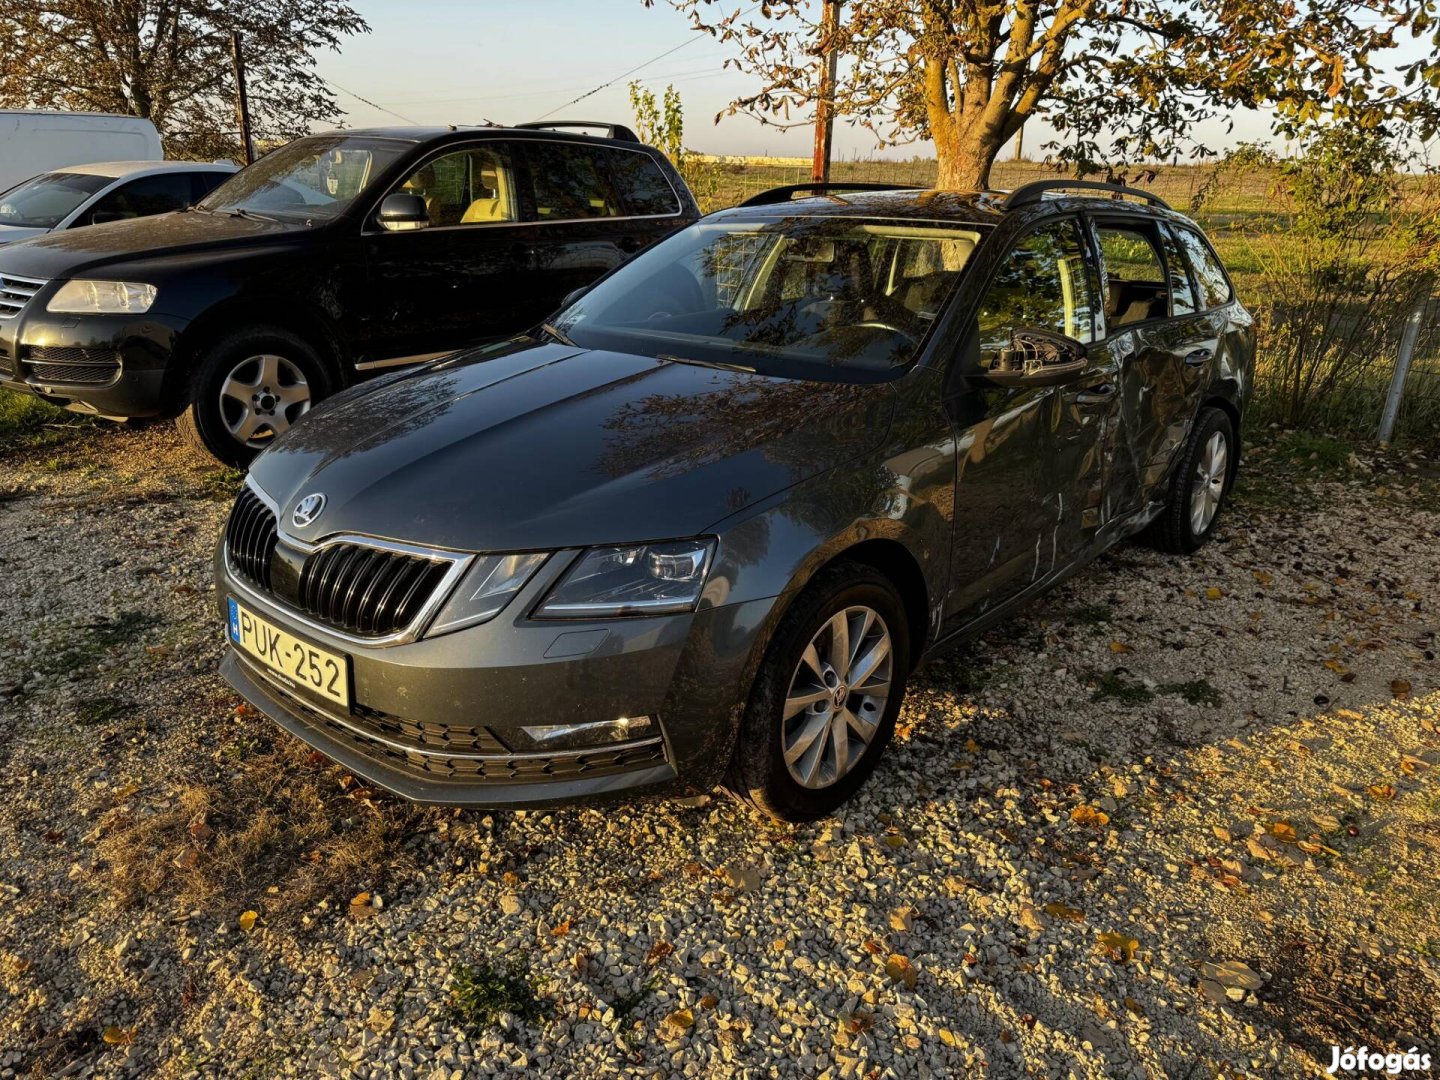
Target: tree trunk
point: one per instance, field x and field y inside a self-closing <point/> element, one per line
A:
<point x="965" y="163"/>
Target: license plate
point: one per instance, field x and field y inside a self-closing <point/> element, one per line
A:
<point x="298" y="661"/>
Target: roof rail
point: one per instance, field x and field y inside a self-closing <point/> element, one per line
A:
<point x="1029" y="193"/>
<point x="611" y="131"/>
<point x="783" y="194"/>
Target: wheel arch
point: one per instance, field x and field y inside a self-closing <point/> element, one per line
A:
<point x="302" y="320"/>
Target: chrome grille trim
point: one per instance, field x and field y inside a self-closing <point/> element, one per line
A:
<point x="16" y="292"/>
<point x="455" y="564"/>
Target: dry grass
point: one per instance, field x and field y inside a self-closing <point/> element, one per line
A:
<point x="273" y="815"/>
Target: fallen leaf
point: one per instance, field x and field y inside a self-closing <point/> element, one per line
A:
<point x="1120" y="647"/>
<point x="1030" y="919"/>
<point x="1134" y="1007"/>
<point x="658" y="952"/>
<point x="902" y="919"/>
<point x="1118" y="947"/>
<point x="1057" y="910"/>
<point x="1212" y="593"/>
<point x="1383" y="792"/>
<point x="187" y="859"/>
<point x="118" y="1036"/>
<point x="1233" y="973"/>
<point x="709" y="1001"/>
<point x="680" y="1021"/>
<point x="248" y="920"/>
<point x="1284" y="831"/>
<point x="560" y="929"/>
<point x="900" y="970"/>
<point x="1262" y="577"/>
<point x="1400" y="687"/>
<point x="1089" y="817"/>
<point x="199" y="830"/>
<point x="363" y="905"/>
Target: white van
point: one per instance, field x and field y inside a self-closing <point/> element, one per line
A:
<point x="33" y="142"/>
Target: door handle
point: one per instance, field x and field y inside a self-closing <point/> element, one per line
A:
<point x="1096" y="395"/>
<point x="1198" y="357"/>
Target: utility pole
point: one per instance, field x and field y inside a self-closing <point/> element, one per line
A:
<point x="825" y="98"/>
<point x="1020" y="144"/>
<point x="242" y="103"/>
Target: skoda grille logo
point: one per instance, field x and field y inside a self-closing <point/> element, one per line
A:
<point x="308" y="509"/>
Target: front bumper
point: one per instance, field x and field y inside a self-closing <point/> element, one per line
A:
<point x="434" y="720"/>
<point x="141" y="346"/>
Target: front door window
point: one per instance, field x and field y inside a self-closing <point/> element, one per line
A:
<point x="472" y="186"/>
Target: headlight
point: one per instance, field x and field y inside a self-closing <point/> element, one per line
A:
<point x="485" y="589"/>
<point x="643" y="579"/>
<point x="85" y="297"/>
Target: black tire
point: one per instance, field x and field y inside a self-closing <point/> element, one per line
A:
<point x="1174" y="530"/>
<point x="758" y="773"/>
<point x="204" y="423"/>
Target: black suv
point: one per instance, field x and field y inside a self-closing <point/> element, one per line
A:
<point x="702" y="524"/>
<point x="328" y="258"/>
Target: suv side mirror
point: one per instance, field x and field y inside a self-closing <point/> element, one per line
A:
<point x="1037" y="358"/>
<point x="402" y="211"/>
<point x="104" y="217"/>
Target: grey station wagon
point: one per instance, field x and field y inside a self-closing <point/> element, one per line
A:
<point x="701" y="526"/>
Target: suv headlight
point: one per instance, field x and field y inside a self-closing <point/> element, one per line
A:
<point x="638" y="579"/>
<point x="485" y="589"/>
<point x="86" y="297"/>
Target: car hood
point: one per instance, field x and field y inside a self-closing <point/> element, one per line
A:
<point x="11" y="233"/>
<point x="136" y="241"/>
<point x="545" y="446"/>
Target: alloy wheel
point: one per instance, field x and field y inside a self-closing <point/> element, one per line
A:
<point x="837" y="697"/>
<point x="261" y="398"/>
<point x="1209" y="485"/>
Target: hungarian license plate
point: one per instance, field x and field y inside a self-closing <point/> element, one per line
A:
<point x="315" y="669"/>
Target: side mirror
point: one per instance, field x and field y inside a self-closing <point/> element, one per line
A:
<point x="573" y="295"/>
<point x="1037" y="358"/>
<point x="104" y="217"/>
<point x="402" y="211"/>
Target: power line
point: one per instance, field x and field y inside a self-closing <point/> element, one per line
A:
<point x="637" y="67"/>
<point x="682" y="76"/>
<point x="367" y="101"/>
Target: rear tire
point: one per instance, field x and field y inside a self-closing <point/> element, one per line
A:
<point x="248" y="388"/>
<point x="802" y="766"/>
<point x="1198" y="486"/>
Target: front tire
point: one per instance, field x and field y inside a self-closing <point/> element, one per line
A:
<point x="249" y="388"/>
<point x="1198" y="487"/>
<point x="824" y="702"/>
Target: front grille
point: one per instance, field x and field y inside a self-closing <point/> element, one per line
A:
<point x="251" y="536"/>
<point x="62" y="364"/>
<point x="367" y="591"/>
<point x="15" y="293"/>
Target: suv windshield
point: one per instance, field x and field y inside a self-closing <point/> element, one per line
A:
<point x="789" y="295"/>
<point x="310" y="178"/>
<point x="44" y="201"/>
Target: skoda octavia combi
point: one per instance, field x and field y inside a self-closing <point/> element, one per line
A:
<point x="701" y="526"/>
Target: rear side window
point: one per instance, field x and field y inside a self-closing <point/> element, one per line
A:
<point x="641" y="183"/>
<point x="202" y="183"/>
<point x="143" y="197"/>
<point x="571" y="181"/>
<point x="1214" y="288"/>
<point x="1041" y="283"/>
<point x="1135" y="285"/>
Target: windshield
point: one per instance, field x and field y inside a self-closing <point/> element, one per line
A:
<point x="857" y="294"/>
<point x="314" y="178"/>
<point x="44" y="201"/>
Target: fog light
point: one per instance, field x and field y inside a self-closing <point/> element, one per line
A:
<point x="579" y="736"/>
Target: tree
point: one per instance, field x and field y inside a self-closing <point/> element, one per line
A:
<point x="169" y="61"/>
<point x="660" y="125"/>
<point x="1118" y="80"/>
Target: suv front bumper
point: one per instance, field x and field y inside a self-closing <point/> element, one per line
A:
<point x="139" y="345"/>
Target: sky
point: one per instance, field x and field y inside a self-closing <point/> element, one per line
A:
<point x="510" y="61"/>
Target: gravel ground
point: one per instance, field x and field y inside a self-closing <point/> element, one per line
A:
<point x="1178" y="820"/>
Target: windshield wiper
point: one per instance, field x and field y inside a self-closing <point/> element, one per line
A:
<point x="241" y="212"/>
<point x="722" y="365"/>
<point x="559" y="335"/>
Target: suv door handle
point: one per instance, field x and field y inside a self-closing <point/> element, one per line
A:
<point x="1096" y="395"/>
<point x="1198" y="357"/>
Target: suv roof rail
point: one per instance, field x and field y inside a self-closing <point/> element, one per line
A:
<point x="611" y="131"/>
<point x="1029" y="193"/>
<point x="784" y="194"/>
